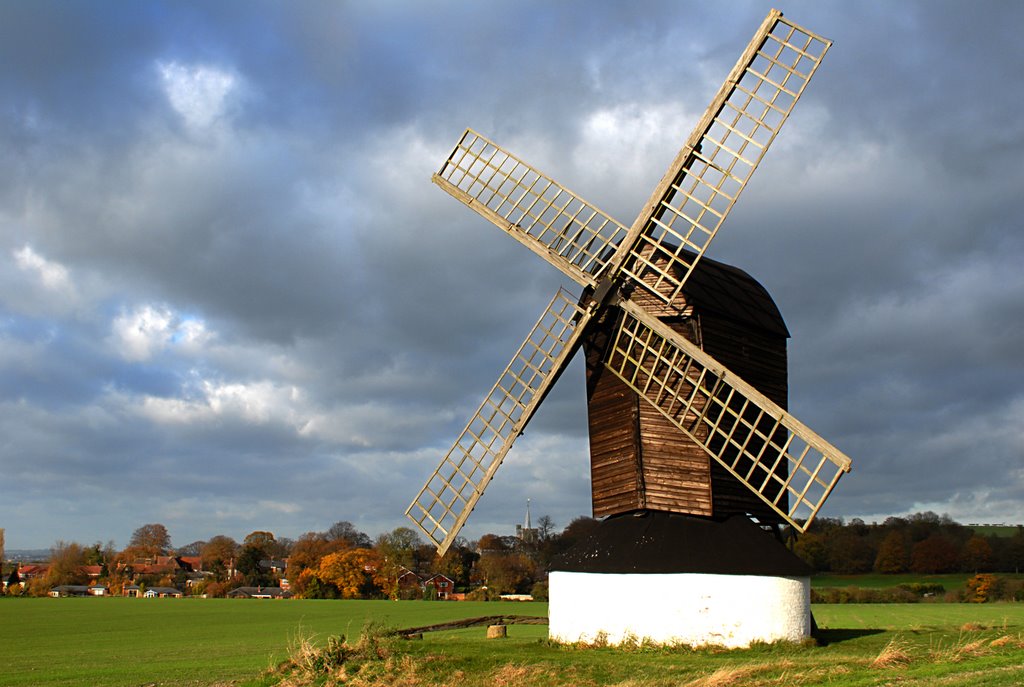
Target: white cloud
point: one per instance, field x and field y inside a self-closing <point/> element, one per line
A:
<point x="142" y="333"/>
<point x="623" y="151"/>
<point x="260" y="402"/>
<point x="52" y="275"/>
<point x="191" y="335"/>
<point x="255" y="403"/>
<point x="198" y="93"/>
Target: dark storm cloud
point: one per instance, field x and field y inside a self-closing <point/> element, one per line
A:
<point x="221" y="256"/>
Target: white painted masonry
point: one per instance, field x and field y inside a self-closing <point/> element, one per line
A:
<point x="679" y="608"/>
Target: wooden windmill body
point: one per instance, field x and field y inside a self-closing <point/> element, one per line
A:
<point x="686" y="365"/>
<point x="639" y="459"/>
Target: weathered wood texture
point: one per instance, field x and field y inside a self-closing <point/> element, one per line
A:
<point x="639" y="460"/>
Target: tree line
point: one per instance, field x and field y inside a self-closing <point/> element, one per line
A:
<point x="923" y="543"/>
<point x="340" y="562"/>
<point x="344" y="562"/>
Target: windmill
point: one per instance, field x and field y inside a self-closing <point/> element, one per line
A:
<point x="633" y="308"/>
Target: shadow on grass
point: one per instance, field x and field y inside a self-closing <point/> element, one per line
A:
<point x="826" y="637"/>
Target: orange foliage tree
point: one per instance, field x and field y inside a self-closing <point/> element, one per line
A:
<point x="357" y="573"/>
<point x="982" y="587"/>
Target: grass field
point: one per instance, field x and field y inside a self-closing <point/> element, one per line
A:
<point x="879" y="581"/>
<point x="204" y="642"/>
<point x="995" y="530"/>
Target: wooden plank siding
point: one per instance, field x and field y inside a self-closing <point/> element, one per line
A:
<point x="613" y="418"/>
<point x="761" y="360"/>
<point x="639" y="460"/>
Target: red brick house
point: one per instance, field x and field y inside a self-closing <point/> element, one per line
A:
<point x="442" y="584"/>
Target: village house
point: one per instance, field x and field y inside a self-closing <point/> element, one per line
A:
<point x="259" y="593"/>
<point x="30" y="571"/>
<point x="66" y="590"/>
<point x="443" y="586"/>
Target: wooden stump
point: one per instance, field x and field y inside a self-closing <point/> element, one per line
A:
<point x="497" y="631"/>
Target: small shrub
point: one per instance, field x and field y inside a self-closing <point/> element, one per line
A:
<point x="338" y="659"/>
<point x="857" y="595"/>
<point x="1013" y="590"/>
<point x="482" y="594"/>
<point x="982" y="588"/>
<point x="923" y="588"/>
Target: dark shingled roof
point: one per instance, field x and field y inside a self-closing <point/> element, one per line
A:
<point x="661" y="542"/>
<point x="732" y="292"/>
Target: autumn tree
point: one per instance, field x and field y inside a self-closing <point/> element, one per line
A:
<point x="306" y="554"/>
<point x="14" y="582"/>
<point x="357" y="573"/>
<point x="218" y="555"/>
<point x="456" y="563"/>
<point x="259" y="540"/>
<point x="1012" y="558"/>
<point x="398" y="547"/>
<point x="576" y="531"/>
<point x="977" y="555"/>
<point x="248" y="566"/>
<point x="493" y="543"/>
<point x="936" y="554"/>
<point x="893" y="553"/>
<point x="151" y="540"/>
<point x="982" y="587"/>
<point x="66" y="561"/>
<point x="850" y="554"/>
<point x="307" y="585"/>
<point x="812" y="549"/>
<point x="507" y="573"/>
<point x="254" y="549"/>
<point x="270" y="546"/>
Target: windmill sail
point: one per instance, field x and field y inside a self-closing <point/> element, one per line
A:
<point x="450" y="494"/>
<point x="701" y="186"/>
<point x="782" y="460"/>
<point x="549" y="219"/>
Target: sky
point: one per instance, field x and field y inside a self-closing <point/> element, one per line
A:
<point x="231" y="299"/>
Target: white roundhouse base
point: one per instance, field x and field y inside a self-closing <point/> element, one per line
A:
<point x="678" y="608"/>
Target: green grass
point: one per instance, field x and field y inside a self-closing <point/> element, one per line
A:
<point x="995" y="530"/>
<point x="186" y="641"/>
<point x="204" y="642"/>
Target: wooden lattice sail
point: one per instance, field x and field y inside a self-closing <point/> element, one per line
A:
<point x="789" y="467"/>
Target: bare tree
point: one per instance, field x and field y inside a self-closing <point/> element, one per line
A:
<point x="343" y="529"/>
<point x="545" y="527"/>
